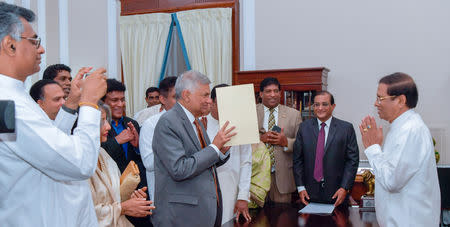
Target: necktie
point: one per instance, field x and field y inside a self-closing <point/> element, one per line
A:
<point x="205" y="122"/>
<point x="203" y="145"/>
<point x="318" y="165"/>
<point x="269" y="127"/>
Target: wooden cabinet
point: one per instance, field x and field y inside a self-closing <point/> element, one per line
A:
<point x="298" y="86"/>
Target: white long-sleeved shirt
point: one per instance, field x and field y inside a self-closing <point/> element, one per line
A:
<point x="147" y="155"/>
<point x="146" y="113"/>
<point x="235" y="175"/>
<point x="41" y="167"/>
<point x="406" y="182"/>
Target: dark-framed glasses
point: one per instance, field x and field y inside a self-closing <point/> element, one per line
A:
<point x="318" y="104"/>
<point x="35" y="41"/>
<point x="381" y="98"/>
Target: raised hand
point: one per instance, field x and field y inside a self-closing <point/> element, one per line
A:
<point x="93" y="87"/>
<point x="223" y="136"/>
<point x="135" y="140"/>
<point x="371" y="134"/>
<point x="75" y="89"/>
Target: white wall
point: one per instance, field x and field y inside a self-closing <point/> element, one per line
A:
<point x="87" y="35"/>
<point x="361" y="41"/>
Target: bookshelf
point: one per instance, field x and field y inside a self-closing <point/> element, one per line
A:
<point x="298" y="86"/>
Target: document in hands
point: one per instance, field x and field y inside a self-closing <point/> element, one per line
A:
<point x="236" y="104"/>
<point x="317" y="208"/>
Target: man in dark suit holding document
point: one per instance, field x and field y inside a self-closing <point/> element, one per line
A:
<point x="187" y="190"/>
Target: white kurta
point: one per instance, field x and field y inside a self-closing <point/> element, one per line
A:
<point x="146" y="113"/>
<point x="147" y="155"/>
<point x="235" y="175"/>
<point x="406" y="183"/>
<point x="43" y="171"/>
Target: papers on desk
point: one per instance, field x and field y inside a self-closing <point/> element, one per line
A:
<point x="317" y="208"/>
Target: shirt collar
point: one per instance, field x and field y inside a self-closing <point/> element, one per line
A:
<point x="327" y="122"/>
<point x="11" y="82"/>
<point x="190" y="116"/>
<point x="212" y="119"/>
<point x="113" y="122"/>
<point x="400" y="120"/>
<point x="267" y="109"/>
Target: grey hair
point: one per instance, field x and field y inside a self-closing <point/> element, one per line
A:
<point x="189" y="80"/>
<point x="104" y="107"/>
<point x="10" y="23"/>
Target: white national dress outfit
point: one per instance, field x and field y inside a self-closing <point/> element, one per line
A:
<point x="235" y="175"/>
<point x="406" y="182"/>
<point x="147" y="155"/>
<point x="146" y="113"/>
<point x="105" y="187"/>
<point x="44" y="171"/>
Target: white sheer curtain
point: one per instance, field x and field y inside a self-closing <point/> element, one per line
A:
<point x="207" y="35"/>
<point x="142" y="42"/>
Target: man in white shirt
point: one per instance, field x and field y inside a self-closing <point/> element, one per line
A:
<point x="167" y="99"/>
<point x="235" y="175"/>
<point x="153" y="105"/>
<point x="38" y="161"/>
<point x="406" y="182"/>
<point x="61" y="74"/>
<point x="49" y="95"/>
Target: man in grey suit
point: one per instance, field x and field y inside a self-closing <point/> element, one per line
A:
<point x="187" y="191"/>
<point x="326" y="155"/>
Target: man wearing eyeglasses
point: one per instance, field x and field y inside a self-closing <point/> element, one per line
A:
<point x="43" y="171"/>
<point x="406" y="183"/>
<point x="326" y="155"/>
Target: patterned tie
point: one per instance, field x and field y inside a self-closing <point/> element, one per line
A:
<point x="203" y="145"/>
<point x="205" y="122"/>
<point x="318" y="165"/>
<point x="269" y="127"/>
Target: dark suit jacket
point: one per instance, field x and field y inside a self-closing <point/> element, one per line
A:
<point x="116" y="152"/>
<point x="185" y="193"/>
<point x="340" y="161"/>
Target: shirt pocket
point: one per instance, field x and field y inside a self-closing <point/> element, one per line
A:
<point x="185" y="199"/>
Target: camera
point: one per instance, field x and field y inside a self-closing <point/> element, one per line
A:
<point x="7" y="116"/>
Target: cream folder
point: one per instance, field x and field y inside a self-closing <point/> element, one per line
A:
<point x="236" y="104"/>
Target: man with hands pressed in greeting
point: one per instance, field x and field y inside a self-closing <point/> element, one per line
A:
<point x="406" y="182"/>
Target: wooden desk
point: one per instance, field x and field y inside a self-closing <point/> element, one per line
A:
<point x="286" y="215"/>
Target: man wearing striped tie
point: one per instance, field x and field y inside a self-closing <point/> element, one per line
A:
<point x="278" y="125"/>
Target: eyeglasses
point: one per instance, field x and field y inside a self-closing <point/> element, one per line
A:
<point x="35" y="41"/>
<point x="318" y="104"/>
<point x="379" y="99"/>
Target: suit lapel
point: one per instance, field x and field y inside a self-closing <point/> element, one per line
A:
<point x="331" y="134"/>
<point x="281" y="116"/>
<point x="260" y="112"/>
<point x="187" y="126"/>
<point x="315" y="130"/>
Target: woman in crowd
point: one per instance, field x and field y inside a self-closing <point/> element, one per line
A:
<point x="105" y="186"/>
